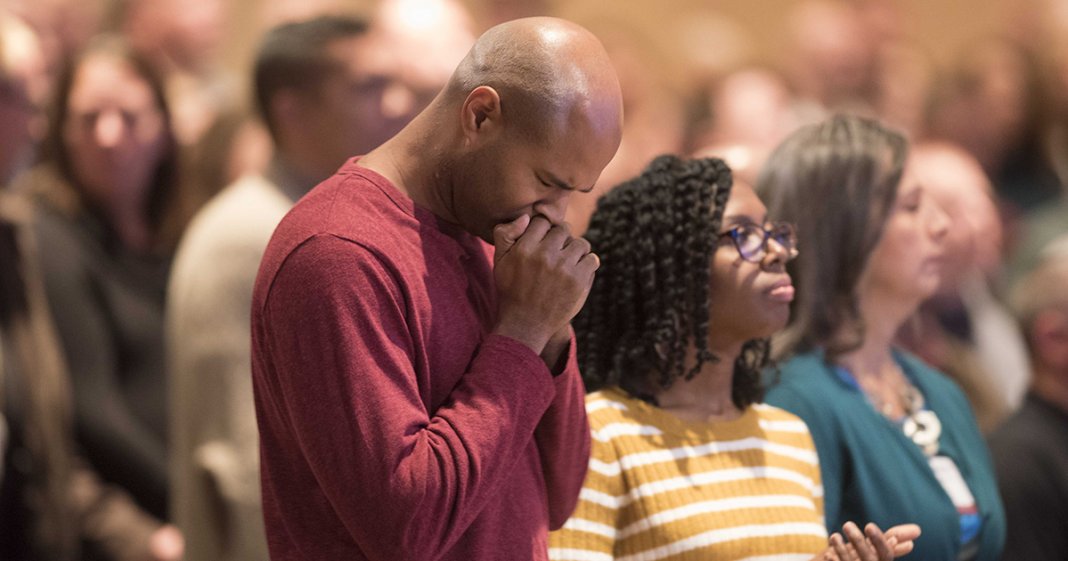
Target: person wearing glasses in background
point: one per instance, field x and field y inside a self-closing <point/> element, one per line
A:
<point x="686" y="462"/>
<point x="897" y="440"/>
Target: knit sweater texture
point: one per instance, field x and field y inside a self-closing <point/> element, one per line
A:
<point x="393" y="423"/>
<point x="661" y="488"/>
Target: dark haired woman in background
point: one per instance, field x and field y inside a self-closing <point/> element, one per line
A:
<point x="897" y="441"/>
<point x="685" y="462"/>
<point x="108" y="219"/>
<point x="52" y="507"/>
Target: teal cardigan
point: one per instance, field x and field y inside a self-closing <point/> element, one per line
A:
<point x="872" y="472"/>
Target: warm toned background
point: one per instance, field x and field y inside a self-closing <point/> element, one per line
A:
<point x="942" y="27"/>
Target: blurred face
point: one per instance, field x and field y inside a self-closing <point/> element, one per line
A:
<point x="956" y="182"/>
<point x="18" y="113"/>
<point x="361" y="105"/>
<point x="1003" y="94"/>
<point x="197" y="30"/>
<point x="906" y="265"/>
<point x="23" y="86"/>
<point x="509" y="176"/>
<point x="114" y="131"/>
<point x="750" y="299"/>
<point x="428" y="37"/>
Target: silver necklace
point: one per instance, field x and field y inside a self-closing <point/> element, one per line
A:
<point x="921" y="425"/>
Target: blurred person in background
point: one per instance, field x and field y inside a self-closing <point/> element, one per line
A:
<point x="897" y="440"/>
<point x="328" y="88"/>
<point x="183" y="39"/>
<point x="63" y="27"/>
<point x="236" y="144"/>
<point x="428" y="38"/>
<point x="854" y="56"/>
<point x="903" y="70"/>
<point x="750" y="113"/>
<point x="23" y="88"/>
<point x="278" y="12"/>
<point x="994" y="105"/>
<point x="699" y="71"/>
<point x="1031" y="448"/>
<point x="500" y="11"/>
<point x="905" y="75"/>
<point x="1034" y="233"/>
<point x="1039" y="228"/>
<point x="654" y="112"/>
<point x="53" y="506"/>
<point x="964" y="330"/>
<point x="831" y="59"/>
<point x="109" y="216"/>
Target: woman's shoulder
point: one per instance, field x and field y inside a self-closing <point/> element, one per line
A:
<point x="803" y="385"/>
<point x="803" y="372"/>
<point x="928" y="377"/>
<point x="615" y="407"/>
<point x="775" y="415"/>
<point x="941" y="391"/>
<point x="45" y="187"/>
<point x="609" y="405"/>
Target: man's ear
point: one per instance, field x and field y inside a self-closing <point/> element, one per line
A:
<point x="481" y="112"/>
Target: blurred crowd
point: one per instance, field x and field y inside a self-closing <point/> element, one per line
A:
<point x="142" y="179"/>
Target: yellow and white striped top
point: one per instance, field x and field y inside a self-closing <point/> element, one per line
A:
<point x="661" y="488"/>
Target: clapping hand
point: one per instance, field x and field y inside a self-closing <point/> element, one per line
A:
<point x="870" y="545"/>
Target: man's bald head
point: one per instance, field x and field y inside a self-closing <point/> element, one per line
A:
<point x="544" y="70"/>
<point x="532" y="114"/>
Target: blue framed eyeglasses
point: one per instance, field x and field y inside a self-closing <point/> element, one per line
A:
<point x="751" y="240"/>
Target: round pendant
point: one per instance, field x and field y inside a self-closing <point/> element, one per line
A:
<point x="924" y="428"/>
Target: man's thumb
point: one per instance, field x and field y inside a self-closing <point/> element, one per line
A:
<point x="505" y="235"/>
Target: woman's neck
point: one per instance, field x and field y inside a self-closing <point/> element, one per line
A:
<point x="873" y="364"/>
<point x="707" y="396"/>
<point x="882" y="316"/>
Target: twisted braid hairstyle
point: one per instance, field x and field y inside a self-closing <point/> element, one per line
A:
<point x="646" y="321"/>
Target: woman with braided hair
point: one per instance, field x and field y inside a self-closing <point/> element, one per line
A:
<point x="686" y="463"/>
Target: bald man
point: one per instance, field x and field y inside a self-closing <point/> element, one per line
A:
<point x="415" y="380"/>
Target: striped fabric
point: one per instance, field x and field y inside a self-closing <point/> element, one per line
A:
<point x="660" y="488"/>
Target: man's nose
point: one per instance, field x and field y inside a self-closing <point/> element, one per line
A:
<point x="555" y="207"/>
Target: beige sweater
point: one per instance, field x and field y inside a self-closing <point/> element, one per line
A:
<point x="215" y="484"/>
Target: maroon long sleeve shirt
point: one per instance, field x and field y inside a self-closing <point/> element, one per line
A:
<point x="393" y="425"/>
